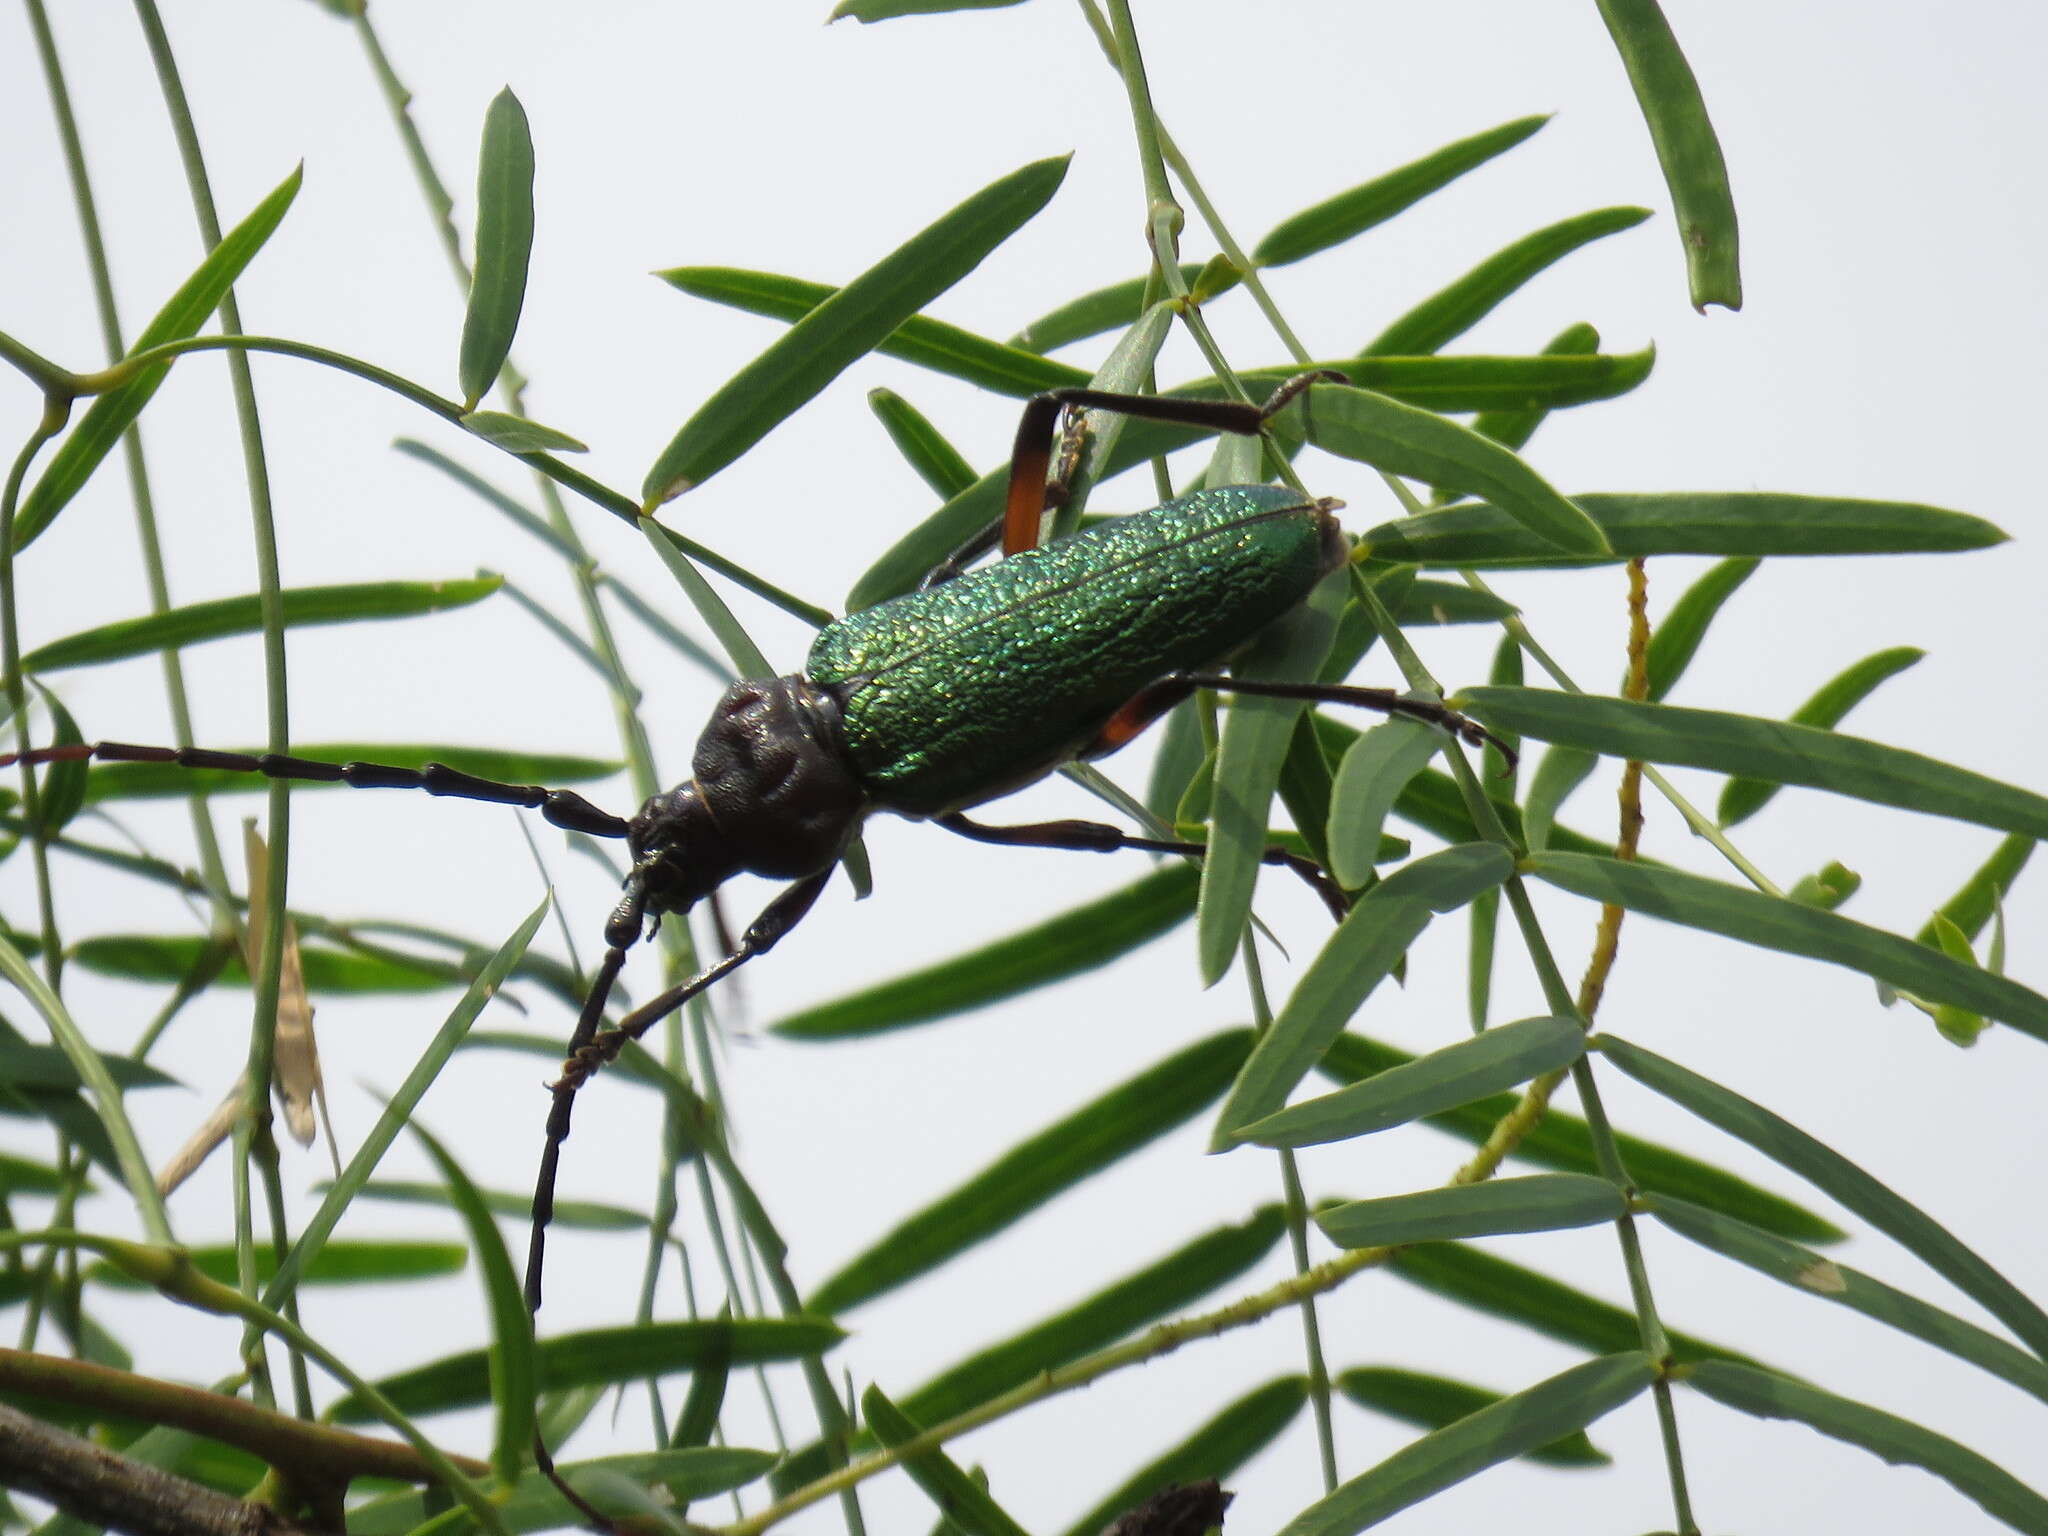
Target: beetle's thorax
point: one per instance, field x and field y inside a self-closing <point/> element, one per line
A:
<point x="772" y="794"/>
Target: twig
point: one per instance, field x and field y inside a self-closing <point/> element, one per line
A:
<point x="301" y="1450"/>
<point x="107" y="1490"/>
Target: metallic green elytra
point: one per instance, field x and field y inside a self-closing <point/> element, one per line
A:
<point x="966" y="691"/>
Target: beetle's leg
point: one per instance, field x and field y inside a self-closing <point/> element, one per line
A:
<point x="563" y="807"/>
<point x="1101" y="837"/>
<point x="1025" y="503"/>
<point x="762" y="935"/>
<point x="1385" y="700"/>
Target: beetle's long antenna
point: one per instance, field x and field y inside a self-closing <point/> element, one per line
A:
<point x="565" y="1099"/>
<point x="590" y="1050"/>
<point x="563" y="807"/>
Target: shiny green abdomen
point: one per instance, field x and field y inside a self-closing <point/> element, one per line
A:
<point x="976" y="687"/>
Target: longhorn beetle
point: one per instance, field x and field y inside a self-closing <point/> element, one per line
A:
<point x="975" y="685"/>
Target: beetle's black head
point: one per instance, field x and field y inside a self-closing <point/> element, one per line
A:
<point x="680" y="855"/>
<point x="772" y="795"/>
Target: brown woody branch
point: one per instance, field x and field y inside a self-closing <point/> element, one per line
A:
<point x="95" y="1485"/>
<point x="319" y="1455"/>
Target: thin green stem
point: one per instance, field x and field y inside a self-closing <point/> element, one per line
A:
<point x="1295" y="1204"/>
<point x="54" y="413"/>
<point x="553" y="469"/>
<point x="1218" y="230"/>
<point x="1702" y="824"/>
<point x="1558" y="998"/>
<point x="252" y="1126"/>
<point x="111" y="339"/>
<point x="92" y="1072"/>
<point x="1163" y="214"/>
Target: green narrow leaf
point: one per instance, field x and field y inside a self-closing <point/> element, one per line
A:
<point x="1164" y="1288"/>
<point x="945" y="349"/>
<point x="1678" y="635"/>
<point x="1434" y="1401"/>
<point x="1454" y="310"/>
<point x="589" y="1215"/>
<point x="100" y="428"/>
<point x="1742" y="798"/>
<point x="223" y="617"/>
<point x="516" y="434"/>
<point x="504" y="241"/>
<point x="963" y="1503"/>
<point x="1514" y="1426"/>
<point x="1834" y="884"/>
<point x="1895" y="1440"/>
<point x="697" y="1420"/>
<point x="65" y="1109"/>
<point x="1404" y="440"/>
<point x="888" y="10"/>
<point x="1684" y="523"/>
<point x="1177" y="761"/>
<point x="1167" y="1286"/>
<point x="1106" y="309"/>
<point x="398" y="1112"/>
<point x="341" y="1263"/>
<point x="1511" y="426"/>
<point x="1256" y="732"/>
<point x="658" y="625"/>
<point x="171" y="958"/>
<point x="1484" y="919"/>
<point x="738" y="645"/>
<point x="63" y="784"/>
<point x="510" y="1364"/>
<point x="1561" y="770"/>
<point x="20" y="1176"/>
<point x="1971" y="907"/>
<point x="1306" y="781"/>
<point x="139" y="781"/>
<point x="937" y="462"/>
<point x="1561" y="1141"/>
<point x="1215" y="1450"/>
<point x="1686" y="147"/>
<point x="1804" y="1270"/>
<point x="601" y="1356"/>
<point x="844" y="327"/>
<point x="1129" y="1116"/>
<point x="1478" y="1280"/>
<point x="1775" y="750"/>
<point x="1543" y="1202"/>
<point x="1354" y="211"/>
<point x="1790" y="1147"/>
<point x="1368" y="944"/>
<point x="1063" y="946"/>
<point x="1369" y="780"/>
<point x="1956" y="1025"/>
<point x="523" y="517"/>
<point x="1539" y="384"/>
<point x="1490" y="1061"/>
<point x="1126" y="371"/>
<point x="106" y="1114"/>
<point x="1771" y="922"/>
<point x="1449" y="602"/>
<point x="533" y="1504"/>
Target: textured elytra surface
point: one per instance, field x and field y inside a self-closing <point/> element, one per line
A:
<point x="979" y="686"/>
